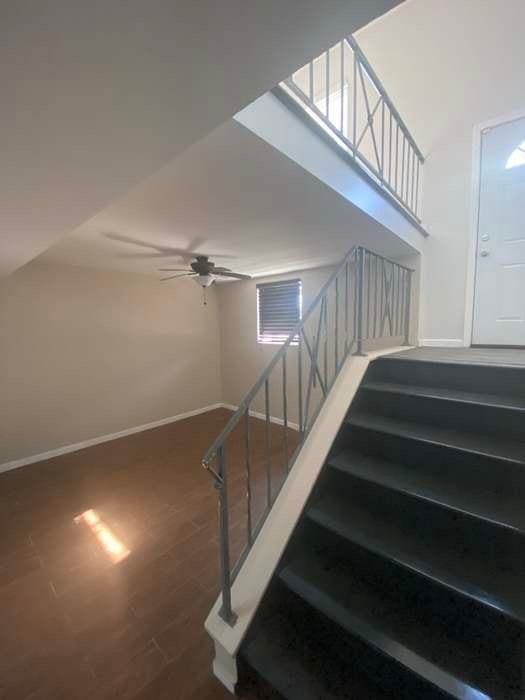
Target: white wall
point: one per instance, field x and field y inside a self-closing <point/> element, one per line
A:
<point x="85" y="353"/>
<point x="447" y="208"/>
<point x="448" y="66"/>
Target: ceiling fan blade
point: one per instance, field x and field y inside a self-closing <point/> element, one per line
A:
<point x="221" y="269"/>
<point x="199" y="254"/>
<point x="173" y="269"/>
<point x="172" y="277"/>
<point x="127" y="239"/>
<point x="164" y="250"/>
<point x="235" y="275"/>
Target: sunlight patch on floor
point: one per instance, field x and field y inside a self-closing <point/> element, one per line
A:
<point x="110" y="543"/>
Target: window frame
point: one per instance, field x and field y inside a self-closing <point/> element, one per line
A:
<point x="277" y="340"/>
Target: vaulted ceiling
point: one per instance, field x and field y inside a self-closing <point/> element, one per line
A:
<point x="97" y="96"/>
<point x="231" y="194"/>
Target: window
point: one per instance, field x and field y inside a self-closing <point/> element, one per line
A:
<point x="279" y="309"/>
<point x="517" y="157"/>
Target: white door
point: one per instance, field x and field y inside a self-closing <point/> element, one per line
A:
<point x="499" y="307"/>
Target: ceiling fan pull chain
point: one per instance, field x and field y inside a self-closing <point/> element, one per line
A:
<point x="205" y="303"/>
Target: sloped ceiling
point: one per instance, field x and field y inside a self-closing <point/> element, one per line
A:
<point x="96" y="96"/>
<point x="230" y="194"/>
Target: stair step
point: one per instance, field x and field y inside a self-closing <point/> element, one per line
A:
<point x="467" y="471"/>
<point x="459" y="376"/>
<point x="304" y="655"/>
<point x="419" y="549"/>
<point x="447" y="394"/>
<point x="425" y="646"/>
<point x="301" y="665"/>
<point x="498" y="424"/>
<point x="435" y="487"/>
<point x="477" y="444"/>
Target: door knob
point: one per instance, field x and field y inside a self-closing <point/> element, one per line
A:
<point x="484" y="253"/>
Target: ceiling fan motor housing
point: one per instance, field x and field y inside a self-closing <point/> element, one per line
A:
<point x="202" y="265"/>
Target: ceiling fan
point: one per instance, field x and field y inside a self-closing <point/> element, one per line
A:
<point x="203" y="271"/>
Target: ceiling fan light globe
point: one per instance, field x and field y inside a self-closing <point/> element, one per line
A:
<point x="204" y="280"/>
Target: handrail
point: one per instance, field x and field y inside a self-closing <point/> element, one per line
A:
<point x="373" y="75"/>
<point x="239" y="413"/>
<point x="366" y="297"/>
<point x="342" y="93"/>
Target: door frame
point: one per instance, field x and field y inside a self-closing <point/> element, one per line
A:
<point x="470" y="287"/>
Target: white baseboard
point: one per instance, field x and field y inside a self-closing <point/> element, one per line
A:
<point x="65" y="449"/>
<point x="442" y="342"/>
<point x="262" y="416"/>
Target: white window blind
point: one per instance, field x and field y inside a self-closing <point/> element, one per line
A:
<point x="279" y="309"/>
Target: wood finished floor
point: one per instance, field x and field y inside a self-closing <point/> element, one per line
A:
<point x="77" y="622"/>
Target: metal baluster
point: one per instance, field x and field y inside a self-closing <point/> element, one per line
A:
<point x="401" y="300"/>
<point x="300" y="383"/>
<point x="248" y="475"/>
<point x="326" y="342"/>
<point x="336" y="329"/>
<point x="313" y="363"/>
<point x="382" y="139"/>
<point x="384" y="285"/>
<point x="360" y="281"/>
<point x="328" y="84"/>
<point x="354" y="140"/>
<point x="368" y="266"/>
<point x="313" y="343"/>
<point x="398" y="300"/>
<point x="397" y="158"/>
<point x="407" y="183"/>
<point x="370" y="116"/>
<point x="390" y="148"/>
<point x="394" y="301"/>
<point x="407" y="309"/>
<point x="390" y="280"/>
<point x="347" y="291"/>
<point x="285" y="414"/>
<point x="268" y="445"/>
<point x="342" y="86"/>
<point x="226" y="612"/>
<point x="412" y="189"/>
<point x="403" y="166"/>
<point x="356" y="282"/>
<point x="417" y="186"/>
<point x="376" y="300"/>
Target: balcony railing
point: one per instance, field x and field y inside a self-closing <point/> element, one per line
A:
<point x="366" y="298"/>
<point x="341" y="92"/>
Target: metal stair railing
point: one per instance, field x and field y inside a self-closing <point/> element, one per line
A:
<point x="342" y="93"/>
<point x="366" y="298"/>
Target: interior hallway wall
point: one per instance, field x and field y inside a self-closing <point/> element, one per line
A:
<point x="449" y="66"/>
<point x="85" y="353"/>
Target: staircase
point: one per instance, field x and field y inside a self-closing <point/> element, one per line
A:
<point x="404" y="577"/>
